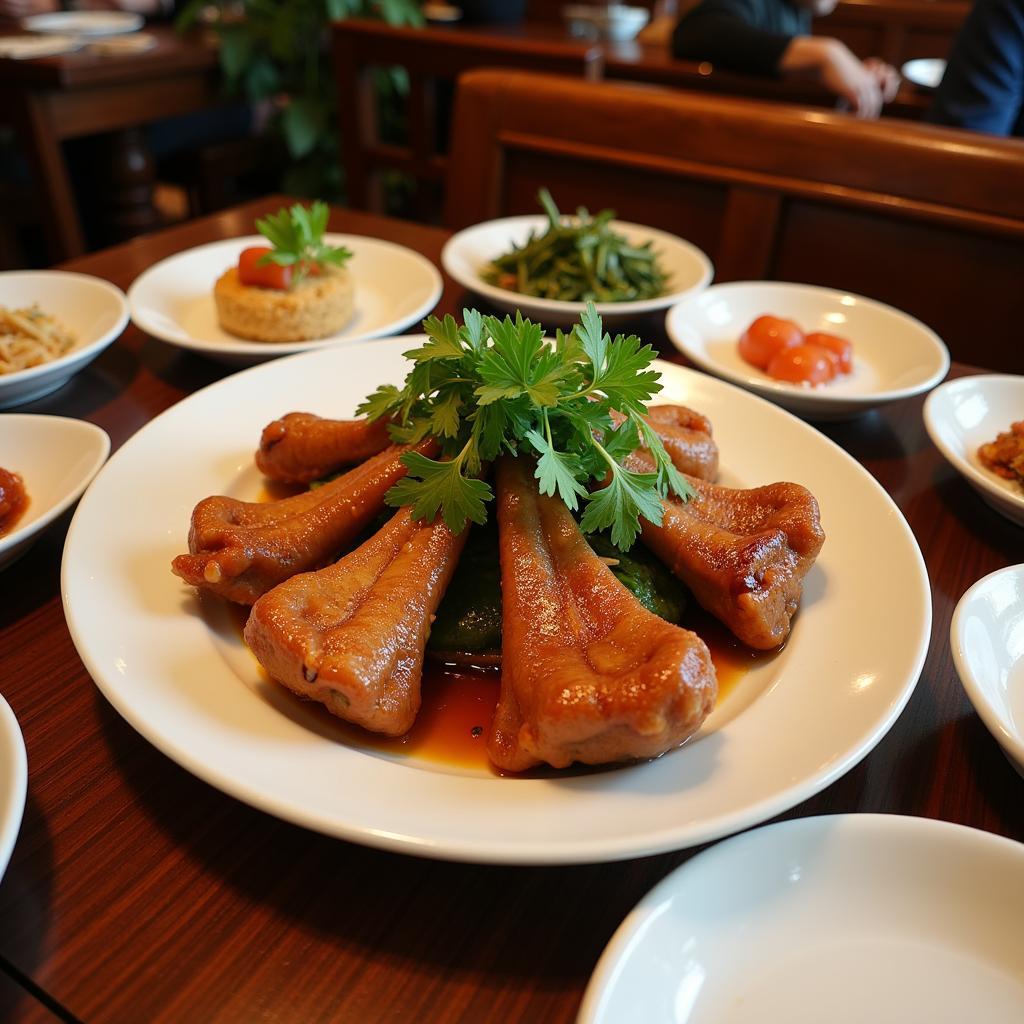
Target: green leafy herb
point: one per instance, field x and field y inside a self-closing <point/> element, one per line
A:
<point x="579" y="260"/>
<point x="491" y="386"/>
<point x="297" y="235"/>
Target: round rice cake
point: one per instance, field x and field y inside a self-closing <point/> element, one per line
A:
<point x="317" y="307"/>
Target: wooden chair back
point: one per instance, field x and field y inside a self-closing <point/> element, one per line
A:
<point x="429" y="56"/>
<point x="928" y="219"/>
<point x="895" y="30"/>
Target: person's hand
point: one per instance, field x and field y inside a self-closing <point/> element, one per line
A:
<point x="838" y="70"/>
<point x="887" y="77"/>
<point x="25" y="8"/>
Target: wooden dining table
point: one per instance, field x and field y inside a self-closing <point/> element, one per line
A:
<point x="137" y="892"/>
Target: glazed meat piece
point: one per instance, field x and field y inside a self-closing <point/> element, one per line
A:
<point x="743" y="553"/>
<point x="352" y="636"/>
<point x="687" y="438"/>
<point x="301" y="447"/>
<point x="588" y="674"/>
<point x="240" y="549"/>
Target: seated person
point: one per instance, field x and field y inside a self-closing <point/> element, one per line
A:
<point x="772" y="37"/>
<point x="983" y="87"/>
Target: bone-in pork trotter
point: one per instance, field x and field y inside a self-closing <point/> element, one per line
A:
<point x="743" y="553"/>
<point x="240" y="549"/>
<point x="588" y="674"/>
<point x="352" y="635"/>
<point x="686" y="436"/>
<point x="301" y="447"/>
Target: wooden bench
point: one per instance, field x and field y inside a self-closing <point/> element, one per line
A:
<point x="928" y="219"/>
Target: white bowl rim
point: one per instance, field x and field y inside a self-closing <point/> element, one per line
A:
<point x="768" y="386"/>
<point x="102" y="439"/>
<point x="1012" y="741"/>
<point x="79" y="351"/>
<point x="17" y="783"/>
<point x="474" y="283"/>
<point x="964" y="466"/>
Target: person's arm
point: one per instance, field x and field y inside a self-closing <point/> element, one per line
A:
<point x="832" y="63"/>
<point x="983" y="87"/>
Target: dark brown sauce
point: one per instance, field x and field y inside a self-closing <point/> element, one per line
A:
<point x="13" y="500"/>
<point x="458" y="704"/>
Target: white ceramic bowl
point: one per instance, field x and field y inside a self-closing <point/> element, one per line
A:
<point x="894" y="355"/>
<point x="925" y="72"/>
<point x="93" y="309"/>
<point x="467" y="254"/>
<point x="841" y="919"/>
<point x="395" y="287"/>
<point x="13" y="782"/>
<point x="987" y="638"/>
<point x="56" y="459"/>
<point x="617" y="22"/>
<point x="966" y="413"/>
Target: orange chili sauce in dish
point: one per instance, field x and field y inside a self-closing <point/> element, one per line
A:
<point x="13" y="500"/>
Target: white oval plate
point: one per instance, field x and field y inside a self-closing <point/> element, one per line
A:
<point x="55" y="458"/>
<point x="13" y="782"/>
<point x="467" y="254"/>
<point x="844" y="919"/>
<point x="968" y="412"/>
<point x="33" y="47"/>
<point x="84" y="23"/>
<point x="173" y="300"/>
<point x="894" y="355"/>
<point x="176" y="669"/>
<point x="93" y="309"/>
<point x="925" y="72"/>
<point x="987" y="639"/>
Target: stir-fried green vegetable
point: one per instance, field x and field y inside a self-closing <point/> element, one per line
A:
<point x="579" y="260"/>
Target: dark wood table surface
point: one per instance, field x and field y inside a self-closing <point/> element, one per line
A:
<point x="52" y="99"/>
<point x="138" y="893"/>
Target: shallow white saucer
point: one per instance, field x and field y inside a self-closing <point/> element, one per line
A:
<point x="925" y="72"/>
<point x="33" y="47"/>
<point x="56" y="459"/>
<point x="92" y="309"/>
<point x="13" y="782"/>
<point x="395" y="287"/>
<point x="84" y="23"/>
<point x="841" y="919"/>
<point x="467" y="255"/>
<point x="987" y="639"/>
<point x="894" y="355"/>
<point x="964" y="414"/>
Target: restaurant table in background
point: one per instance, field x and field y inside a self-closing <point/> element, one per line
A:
<point x="138" y="893"/>
<point x="52" y="99"/>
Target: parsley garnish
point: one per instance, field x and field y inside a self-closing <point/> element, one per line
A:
<point x="297" y="235"/>
<point x="491" y="386"/>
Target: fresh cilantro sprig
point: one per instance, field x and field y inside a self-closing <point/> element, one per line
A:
<point x="494" y="385"/>
<point x="297" y="235"/>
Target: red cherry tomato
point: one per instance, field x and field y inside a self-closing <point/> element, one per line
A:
<point x="803" y="364"/>
<point x="766" y="336"/>
<point x="266" y="275"/>
<point x="840" y="346"/>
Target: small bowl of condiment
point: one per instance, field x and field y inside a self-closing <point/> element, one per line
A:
<point x="46" y="462"/>
<point x="971" y="420"/>
<point x="985" y="637"/>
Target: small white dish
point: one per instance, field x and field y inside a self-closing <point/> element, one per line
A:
<point x="13" y="782"/>
<point x="33" y="47"/>
<point x="894" y="355"/>
<point x="84" y="23"/>
<point x="395" y="287"/>
<point x="968" y="412"/>
<point x="467" y="255"/>
<point x="616" y="22"/>
<point x="925" y="72"/>
<point x="845" y="919"/>
<point x="123" y="46"/>
<point x="987" y="638"/>
<point x="56" y="459"/>
<point x="93" y="309"/>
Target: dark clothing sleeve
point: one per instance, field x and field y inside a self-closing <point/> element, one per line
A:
<point x="742" y="35"/>
<point x="983" y="87"/>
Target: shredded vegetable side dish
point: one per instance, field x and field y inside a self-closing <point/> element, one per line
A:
<point x="30" y="337"/>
